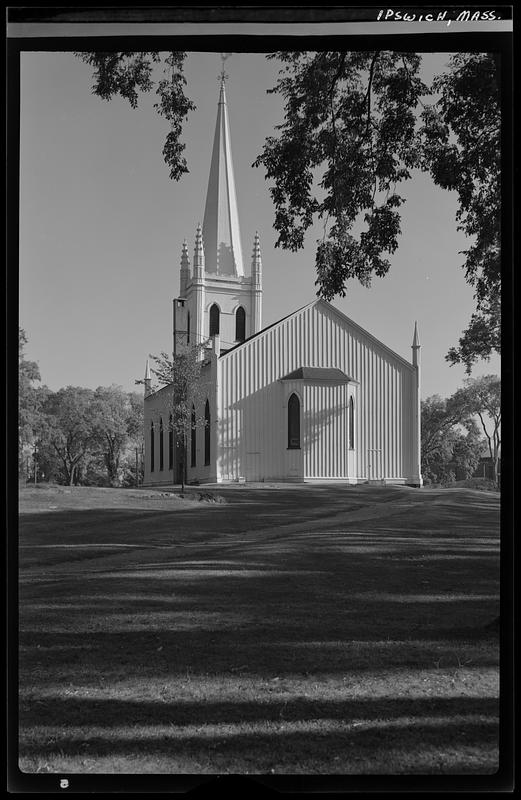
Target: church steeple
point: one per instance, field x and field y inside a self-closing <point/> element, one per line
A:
<point x="221" y="234"/>
<point x="218" y="297"/>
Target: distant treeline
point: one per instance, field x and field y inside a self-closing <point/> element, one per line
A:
<point x="75" y="435"/>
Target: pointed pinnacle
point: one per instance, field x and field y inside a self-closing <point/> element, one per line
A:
<point x="185" y="261"/>
<point x="416" y="338"/>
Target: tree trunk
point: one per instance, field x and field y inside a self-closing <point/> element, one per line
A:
<point x="496" y="468"/>
<point x="183" y="464"/>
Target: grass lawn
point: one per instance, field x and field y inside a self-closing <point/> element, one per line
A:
<point x="296" y="629"/>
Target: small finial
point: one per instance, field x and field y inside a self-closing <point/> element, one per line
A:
<point x="223" y="75"/>
<point x="185" y="261"/>
<point x="256" y="262"/>
<point x="199" y="252"/>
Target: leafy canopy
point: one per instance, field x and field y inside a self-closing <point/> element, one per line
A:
<point x="30" y="396"/>
<point x="127" y="74"/>
<point x="462" y="149"/>
<point x="355" y="126"/>
<point x="451" y="444"/>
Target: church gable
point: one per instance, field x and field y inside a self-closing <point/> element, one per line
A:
<point x="259" y="377"/>
<point x="316" y="335"/>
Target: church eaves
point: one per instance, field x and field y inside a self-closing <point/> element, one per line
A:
<point x="318" y="374"/>
<point x="221" y="234"/>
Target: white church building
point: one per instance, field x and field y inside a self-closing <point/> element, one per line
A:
<point x="312" y="397"/>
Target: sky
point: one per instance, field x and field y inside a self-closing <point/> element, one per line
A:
<point x="102" y="226"/>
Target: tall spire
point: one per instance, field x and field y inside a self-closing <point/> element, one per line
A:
<point x="221" y="234"/>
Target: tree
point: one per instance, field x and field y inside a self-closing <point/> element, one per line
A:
<point x="462" y="150"/>
<point x="469" y="447"/>
<point x="30" y="401"/>
<point x="351" y="135"/>
<point x="183" y="393"/>
<point x="348" y="140"/>
<point x="437" y="440"/>
<point x="116" y="419"/>
<point x="127" y="74"/>
<point x="70" y="428"/>
<point x="451" y="444"/>
<point x="481" y="398"/>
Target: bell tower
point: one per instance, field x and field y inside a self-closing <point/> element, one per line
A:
<point x="219" y="297"/>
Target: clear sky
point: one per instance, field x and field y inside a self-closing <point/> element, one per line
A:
<point x="102" y="225"/>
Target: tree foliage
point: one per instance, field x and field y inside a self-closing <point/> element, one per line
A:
<point x="183" y="394"/>
<point x="347" y="142"/>
<point x="118" y="420"/>
<point x="89" y="436"/>
<point x="70" y="428"/>
<point x="76" y="435"/>
<point x="127" y="74"/>
<point x="462" y="149"/>
<point x="451" y="444"/>
<point x="481" y="398"/>
<point x="30" y="401"/>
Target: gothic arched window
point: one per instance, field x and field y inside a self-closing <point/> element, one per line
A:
<point x="351" y="423"/>
<point x="294" y="423"/>
<point x="161" y="445"/>
<point x="240" y="324"/>
<point x="152" y="444"/>
<point x="170" y="444"/>
<point x="188" y="328"/>
<point x="207" y="422"/>
<point x="214" y="319"/>
<point x="193" y="441"/>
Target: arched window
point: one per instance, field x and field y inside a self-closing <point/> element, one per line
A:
<point x="193" y="440"/>
<point x="207" y="422"/>
<point x="152" y="445"/>
<point x="170" y="444"/>
<point x="240" y="324"/>
<point x="214" y="319"/>
<point x="351" y="423"/>
<point x="161" y="445"/>
<point x="188" y="328"/>
<point x="294" y="423"/>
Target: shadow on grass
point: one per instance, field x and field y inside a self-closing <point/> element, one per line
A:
<point x="181" y="593"/>
<point x="112" y="713"/>
<point x="178" y="654"/>
<point x="458" y="735"/>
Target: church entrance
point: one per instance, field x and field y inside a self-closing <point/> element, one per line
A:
<point x="375" y="465"/>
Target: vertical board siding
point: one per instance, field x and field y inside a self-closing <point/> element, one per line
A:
<point x="254" y="402"/>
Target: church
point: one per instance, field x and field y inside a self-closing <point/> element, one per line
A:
<point x="313" y="397"/>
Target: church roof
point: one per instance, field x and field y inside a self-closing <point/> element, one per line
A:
<point x="330" y="374"/>
<point x="221" y="234"/>
<point x="263" y="330"/>
<point x="321" y="302"/>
